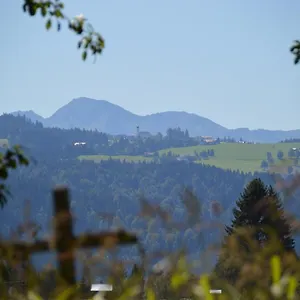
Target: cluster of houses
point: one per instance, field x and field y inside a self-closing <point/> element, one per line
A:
<point x="206" y="140"/>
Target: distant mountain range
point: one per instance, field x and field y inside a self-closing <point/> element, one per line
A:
<point x="86" y="113"/>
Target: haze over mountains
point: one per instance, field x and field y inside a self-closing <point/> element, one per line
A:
<point x="86" y="113"/>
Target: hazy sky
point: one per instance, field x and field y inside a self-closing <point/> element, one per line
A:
<point x="225" y="60"/>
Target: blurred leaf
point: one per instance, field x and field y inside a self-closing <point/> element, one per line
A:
<point x="178" y="279"/>
<point x="11" y="164"/>
<point x="129" y="292"/>
<point x="32" y="9"/>
<point x="48" y="24"/>
<point x="150" y="295"/>
<point x="193" y="206"/>
<point x="95" y="43"/>
<point x="204" y="283"/>
<point x="163" y="215"/>
<point x="8" y="161"/>
<point x="43" y="11"/>
<point x="147" y="210"/>
<point x="84" y="55"/>
<point x="68" y="294"/>
<point x="3" y="173"/>
<point x="276" y="268"/>
<point x="33" y="296"/>
<point x="292" y="286"/>
<point x="58" y="13"/>
<point x="295" y="49"/>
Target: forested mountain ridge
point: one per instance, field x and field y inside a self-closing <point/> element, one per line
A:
<point x="104" y="116"/>
<point x="110" y="118"/>
<point x="39" y="140"/>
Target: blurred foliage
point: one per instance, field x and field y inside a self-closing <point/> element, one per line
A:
<point x="269" y="273"/>
<point x="9" y="160"/>
<point x="295" y="49"/>
<point x="266" y="271"/>
<point x="53" y="11"/>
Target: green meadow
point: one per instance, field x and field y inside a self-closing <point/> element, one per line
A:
<point x="234" y="156"/>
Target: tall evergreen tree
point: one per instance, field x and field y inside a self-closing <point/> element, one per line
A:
<point x="259" y="209"/>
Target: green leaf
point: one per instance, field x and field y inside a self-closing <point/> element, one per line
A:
<point x="43" y="11"/>
<point x="34" y="296"/>
<point x="67" y="294"/>
<point x="23" y="160"/>
<point x="48" y="24"/>
<point x="292" y="286"/>
<point x="204" y="283"/>
<point x="3" y="173"/>
<point x="276" y="268"/>
<point x="32" y="9"/>
<point x="12" y="164"/>
<point x="150" y="294"/>
<point x="178" y="279"/>
<point x="84" y="55"/>
<point x="87" y="41"/>
<point x="9" y="154"/>
<point x="58" y="14"/>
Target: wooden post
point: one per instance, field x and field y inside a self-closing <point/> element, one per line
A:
<point x="64" y="235"/>
<point x="65" y="241"/>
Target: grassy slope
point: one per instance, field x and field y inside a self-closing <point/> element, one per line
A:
<point x="244" y="157"/>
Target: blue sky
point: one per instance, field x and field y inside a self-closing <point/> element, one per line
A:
<point x="225" y="60"/>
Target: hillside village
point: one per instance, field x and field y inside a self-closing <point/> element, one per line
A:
<point x="185" y="139"/>
<point x="175" y="145"/>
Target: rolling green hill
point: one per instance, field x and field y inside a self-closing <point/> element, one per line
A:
<point x="244" y="157"/>
<point x="234" y="156"/>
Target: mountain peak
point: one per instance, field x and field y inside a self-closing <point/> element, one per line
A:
<point x="85" y="100"/>
<point x="87" y="113"/>
<point x="102" y="115"/>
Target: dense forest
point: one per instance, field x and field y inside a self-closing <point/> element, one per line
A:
<point x="109" y="194"/>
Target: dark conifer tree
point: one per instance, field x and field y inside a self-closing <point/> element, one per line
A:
<point x="258" y="209"/>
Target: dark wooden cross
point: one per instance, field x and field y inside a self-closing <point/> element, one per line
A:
<point x="65" y="241"/>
